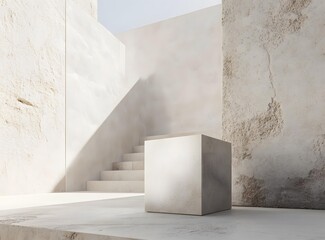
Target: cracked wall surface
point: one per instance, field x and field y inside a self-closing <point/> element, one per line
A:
<point x="273" y="83"/>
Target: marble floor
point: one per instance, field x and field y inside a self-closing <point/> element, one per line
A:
<point x="124" y="218"/>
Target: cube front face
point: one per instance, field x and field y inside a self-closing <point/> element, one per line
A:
<point x="187" y="175"/>
<point x="173" y="175"/>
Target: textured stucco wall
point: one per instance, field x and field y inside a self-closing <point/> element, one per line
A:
<point x="274" y="75"/>
<point x="179" y="62"/>
<point x="96" y="83"/>
<point x="31" y="96"/>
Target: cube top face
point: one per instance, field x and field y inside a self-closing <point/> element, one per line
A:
<point x="173" y="175"/>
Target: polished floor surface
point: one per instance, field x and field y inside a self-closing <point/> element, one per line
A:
<point x="125" y="217"/>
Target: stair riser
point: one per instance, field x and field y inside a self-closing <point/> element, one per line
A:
<point x="116" y="186"/>
<point x="133" y="157"/>
<point x="138" y="149"/>
<point x="136" y="165"/>
<point x="133" y="175"/>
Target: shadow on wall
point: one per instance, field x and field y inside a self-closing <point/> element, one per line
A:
<point x="123" y="129"/>
<point x="148" y="109"/>
<point x="144" y="111"/>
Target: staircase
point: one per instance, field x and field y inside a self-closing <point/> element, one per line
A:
<point x="126" y="176"/>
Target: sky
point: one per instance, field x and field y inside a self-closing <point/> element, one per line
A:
<point x="123" y="15"/>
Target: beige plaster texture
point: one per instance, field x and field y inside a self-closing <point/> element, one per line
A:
<point x="273" y="96"/>
<point x="32" y="96"/>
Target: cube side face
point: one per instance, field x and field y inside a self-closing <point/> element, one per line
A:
<point x="216" y="175"/>
<point x="173" y="175"/>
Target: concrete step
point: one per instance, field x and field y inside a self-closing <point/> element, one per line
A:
<point x="138" y="149"/>
<point x="122" y="175"/>
<point x="116" y="186"/>
<point x="131" y="165"/>
<point x="133" y="157"/>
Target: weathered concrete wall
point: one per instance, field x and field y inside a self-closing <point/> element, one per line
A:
<point x="179" y="62"/>
<point x="32" y="96"/>
<point x="274" y="68"/>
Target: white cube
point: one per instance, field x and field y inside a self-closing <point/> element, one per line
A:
<point x="187" y="175"/>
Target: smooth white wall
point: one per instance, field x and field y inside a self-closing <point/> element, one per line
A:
<point x="179" y="62"/>
<point x="123" y="15"/>
<point x="177" y="76"/>
<point x="96" y="84"/>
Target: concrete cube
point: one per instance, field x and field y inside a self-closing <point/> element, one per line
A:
<point x="187" y="175"/>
